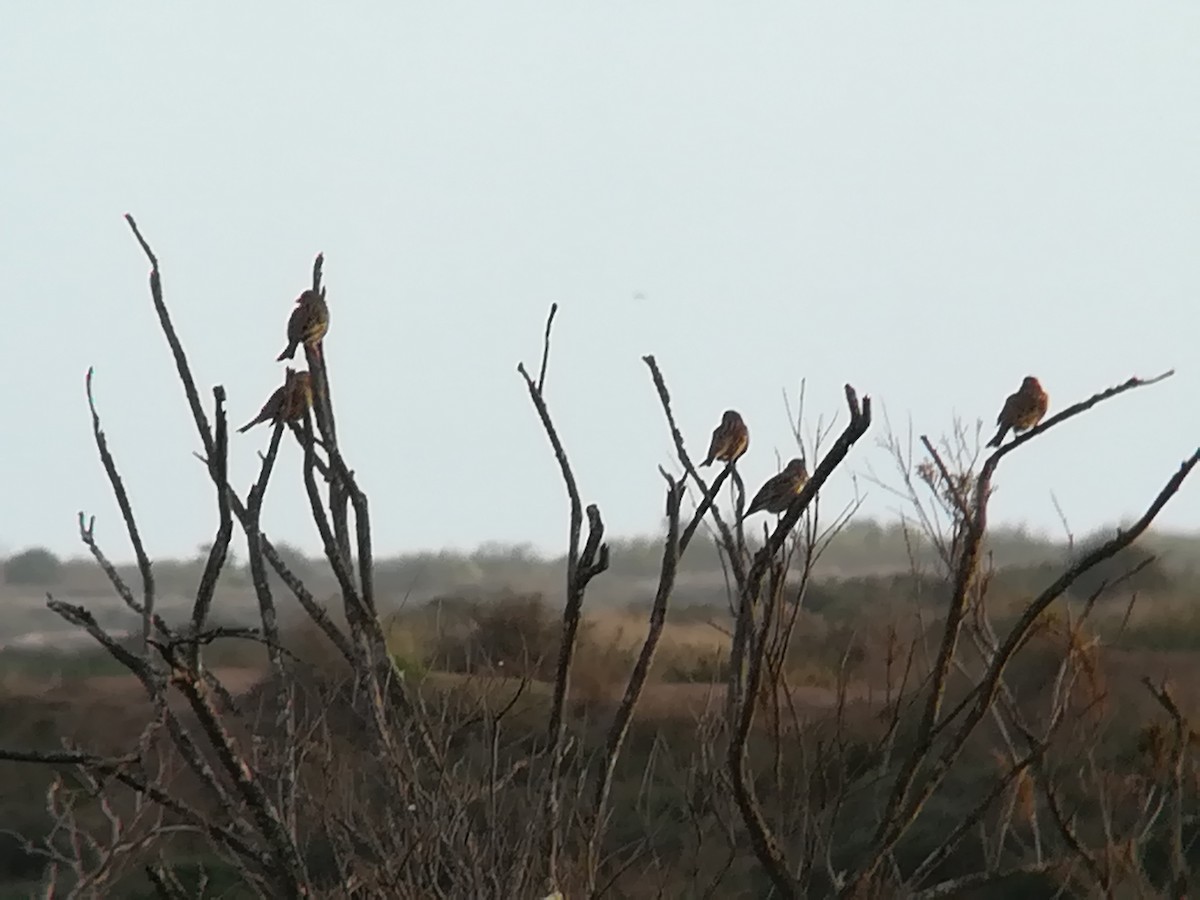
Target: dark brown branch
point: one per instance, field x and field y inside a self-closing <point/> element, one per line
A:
<point x="327" y="425"/>
<point x="376" y="671"/>
<point x="220" y="546"/>
<point x="1072" y="411"/>
<point x="341" y="474"/>
<point x="181" y="363"/>
<point x="285" y="720"/>
<point x="685" y="460"/>
<point x="766" y="560"/>
<point x="286" y="856"/>
<point x="766" y="845"/>
<point x="619" y="728"/>
<point x="580" y="570"/>
<point x="153" y="684"/>
<point x="337" y="562"/>
<point x="541" y="382"/>
<point x="706" y="503"/>
<point x="118" y="487"/>
<point x="860" y="421"/>
<point x="368" y="652"/>
<point x="303" y="595"/>
<point x="87" y="533"/>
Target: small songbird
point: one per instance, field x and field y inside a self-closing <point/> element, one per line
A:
<point x="1022" y="410"/>
<point x="780" y="490"/>
<point x="307" y="324"/>
<point x="288" y="402"/>
<point x="730" y="439"/>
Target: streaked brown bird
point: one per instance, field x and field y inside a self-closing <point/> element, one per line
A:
<point x="307" y="324"/>
<point x="780" y="490"/>
<point x="1022" y="410"/>
<point x="730" y="439"/>
<point x="288" y="402"/>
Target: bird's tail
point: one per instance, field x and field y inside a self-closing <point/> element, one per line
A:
<point x="288" y="352"/>
<point x="707" y="462"/>
<point x="995" y="442"/>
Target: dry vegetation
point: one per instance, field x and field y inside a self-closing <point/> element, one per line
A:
<point x="939" y="711"/>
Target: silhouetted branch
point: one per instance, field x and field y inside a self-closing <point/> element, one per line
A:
<point x="219" y="469"/>
<point x="154" y="685"/>
<point x="541" y="382"/>
<point x="181" y="363"/>
<point x="746" y="661"/>
<point x="685" y="460"/>
<point x="860" y="421"/>
<point x="1070" y="412"/>
<point x="619" y="729"/>
<point x="581" y="568"/>
<point x="285" y="719"/>
<point x="287" y="864"/>
<point x="118" y="487"/>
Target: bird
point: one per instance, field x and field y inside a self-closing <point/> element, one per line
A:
<point x="288" y="402"/>
<point x="730" y="439"/>
<point x="777" y="494"/>
<point x="307" y="324"/>
<point x="1022" y="410"/>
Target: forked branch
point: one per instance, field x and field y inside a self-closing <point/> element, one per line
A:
<point x="582" y="567"/>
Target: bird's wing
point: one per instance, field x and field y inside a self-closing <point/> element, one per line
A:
<point x="714" y="445"/>
<point x="1011" y="409"/>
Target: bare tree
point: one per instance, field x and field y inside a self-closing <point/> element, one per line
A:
<point x="353" y="781"/>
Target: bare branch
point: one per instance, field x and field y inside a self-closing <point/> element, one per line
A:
<point x="220" y="546"/>
<point x="619" y="728"/>
<point x="181" y="363"/>
<point x="541" y="382"/>
<point x="580" y="570"/>
<point x="135" y="538"/>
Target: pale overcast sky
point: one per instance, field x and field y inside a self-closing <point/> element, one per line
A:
<point x="926" y="200"/>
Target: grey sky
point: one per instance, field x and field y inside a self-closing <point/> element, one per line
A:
<point x="928" y="201"/>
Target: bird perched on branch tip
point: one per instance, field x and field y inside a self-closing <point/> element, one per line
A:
<point x="307" y="324"/>
<point x="777" y="494"/>
<point x="288" y="402"/>
<point x="1022" y="410"/>
<point x="730" y="439"/>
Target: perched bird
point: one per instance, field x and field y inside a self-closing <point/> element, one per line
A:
<point x="288" y="402"/>
<point x="307" y="324"/>
<point x="729" y="439"/>
<point x="1022" y="410"/>
<point x="780" y="490"/>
